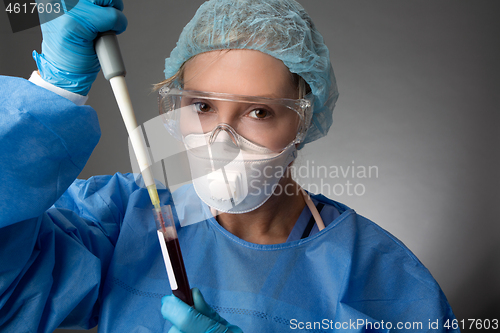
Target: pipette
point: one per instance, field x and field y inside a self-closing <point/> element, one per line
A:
<point x="113" y="68"/>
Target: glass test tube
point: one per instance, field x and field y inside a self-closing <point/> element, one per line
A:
<point x="172" y="255"/>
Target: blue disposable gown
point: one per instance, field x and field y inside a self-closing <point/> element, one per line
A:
<point x="76" y="253"/>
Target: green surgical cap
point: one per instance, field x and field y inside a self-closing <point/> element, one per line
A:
<point x="280" y="28"/>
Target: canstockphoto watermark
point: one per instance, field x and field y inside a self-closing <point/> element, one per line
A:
<point x="358" y="324"/>
<point x="331" y="180"/>
<point x="354" y="324"/>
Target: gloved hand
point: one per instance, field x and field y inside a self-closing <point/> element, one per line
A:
<point x="199" y="320"/>
<point x="68" y="58"/>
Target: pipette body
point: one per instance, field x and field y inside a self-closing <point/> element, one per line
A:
<point x="113" y="68"/>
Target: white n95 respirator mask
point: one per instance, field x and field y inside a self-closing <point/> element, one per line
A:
<point x="231" y="174"/>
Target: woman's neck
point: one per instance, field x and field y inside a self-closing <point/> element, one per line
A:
<point x="272" y="222"/>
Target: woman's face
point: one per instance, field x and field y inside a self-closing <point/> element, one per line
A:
<point x="249" y="73"/>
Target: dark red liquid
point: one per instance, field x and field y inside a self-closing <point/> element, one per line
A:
<point x="183" y="290"/>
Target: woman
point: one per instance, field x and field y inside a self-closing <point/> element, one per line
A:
<point x="249" y="83"/>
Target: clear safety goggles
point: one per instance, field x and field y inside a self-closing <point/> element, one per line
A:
<point x="276" y="122"/>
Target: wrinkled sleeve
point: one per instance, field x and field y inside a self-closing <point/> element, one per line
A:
<point x="55" y="242"/>
<point x="386" y="281"/>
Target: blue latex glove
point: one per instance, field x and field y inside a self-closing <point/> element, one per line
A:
<point x="68" y="58"/>
<point x="202" y="319"/>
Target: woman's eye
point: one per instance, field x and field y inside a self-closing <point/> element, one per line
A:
<point x="202" y="107"/>
<point x="259" y="114"/>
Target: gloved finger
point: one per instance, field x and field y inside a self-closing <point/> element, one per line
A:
<point x="115" y="21"/>
<point x="118" y="4"/>
<point x="102" y="18"/>
<point x="201" y="306"/>
<point x="187" y="319"/>
<point x="85" y="19"/>
<point x="174" y="329"/>
<point x="204" y="308"/>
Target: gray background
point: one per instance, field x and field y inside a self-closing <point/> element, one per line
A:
<point x="419" y="99"/>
